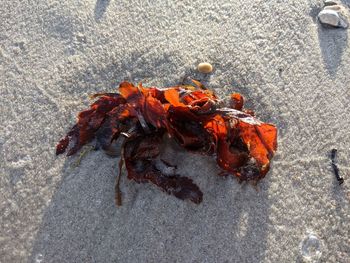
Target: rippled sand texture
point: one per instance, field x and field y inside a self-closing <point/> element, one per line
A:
<point x="293" y="73"/>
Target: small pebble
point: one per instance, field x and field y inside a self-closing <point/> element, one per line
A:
<point x="331" y="2"/>
<point x="81" y="38"/>
<point x="332" y="18"/>
<point x="205" y="67"/>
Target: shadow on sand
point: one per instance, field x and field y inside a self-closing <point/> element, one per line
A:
<point x="333" y="43"/>
<point x="100" y="9"/>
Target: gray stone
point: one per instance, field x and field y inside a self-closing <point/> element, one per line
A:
<point x="331" y="2"/>
<point x="332" y="18"/>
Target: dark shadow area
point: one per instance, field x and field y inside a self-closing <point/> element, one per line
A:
<point x="100" y="9"/>
<point x="82" y="223"/>
<point x="314" y="11"/>
<point x="333" y="43"/>
<point x="346" y="3"/>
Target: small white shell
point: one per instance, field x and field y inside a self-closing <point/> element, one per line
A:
<point x="205" y="67"/>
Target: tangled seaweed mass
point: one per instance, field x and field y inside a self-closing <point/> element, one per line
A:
<point x="138" y="118"/>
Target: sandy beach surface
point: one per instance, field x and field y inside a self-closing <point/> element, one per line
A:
<point x="293" y="73"/>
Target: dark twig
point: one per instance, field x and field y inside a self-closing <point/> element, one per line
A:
<point x="335" y="167"/>
<point x="118" y="194"/>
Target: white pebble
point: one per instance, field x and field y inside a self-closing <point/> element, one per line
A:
<point x="332" y="18"/>
<point x="205" y="67"/>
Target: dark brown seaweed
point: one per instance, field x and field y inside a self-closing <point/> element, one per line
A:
<point x="142" y="164"/>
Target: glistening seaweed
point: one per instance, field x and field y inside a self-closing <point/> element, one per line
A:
<point x="193" y="116"/>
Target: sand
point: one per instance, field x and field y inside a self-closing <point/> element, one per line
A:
<point x="292" y="72"/>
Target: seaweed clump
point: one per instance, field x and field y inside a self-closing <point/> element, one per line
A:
<point x="138" y="117"/>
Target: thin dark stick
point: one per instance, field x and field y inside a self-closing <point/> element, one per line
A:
<point x="335" y="167"/>
<point x="118" y="194"/>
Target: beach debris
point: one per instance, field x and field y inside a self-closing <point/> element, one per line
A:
<point x="193" y="116"/>
<point x="333" y="15"/>
<point x="311" y="248"/>
<point x="335" y="167"/>
<point x="205" y="67"/>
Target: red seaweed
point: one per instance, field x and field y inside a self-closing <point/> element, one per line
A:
<point x="193" y="116"/>
<point x="141" y="163"/>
